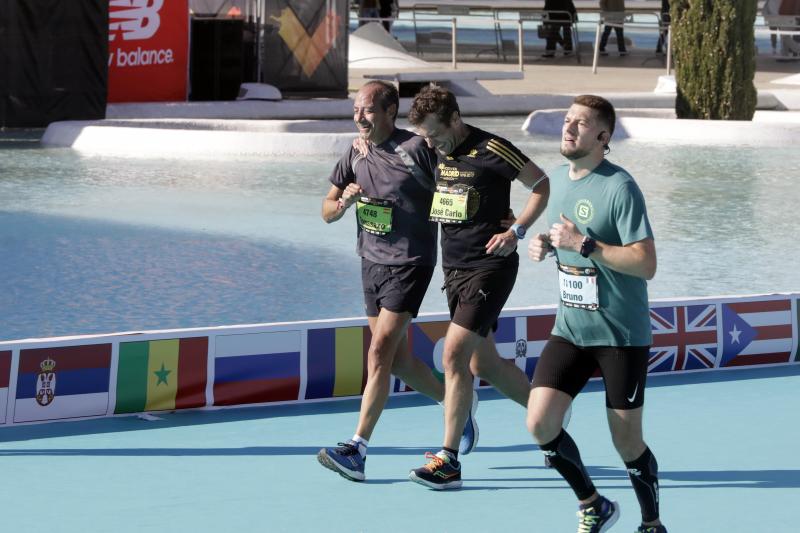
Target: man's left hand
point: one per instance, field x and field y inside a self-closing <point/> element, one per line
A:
<point x="361" y="145"/>
<point x="502" y="244"/>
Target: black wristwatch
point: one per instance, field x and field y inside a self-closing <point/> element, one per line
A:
<point x="587" y="246"/>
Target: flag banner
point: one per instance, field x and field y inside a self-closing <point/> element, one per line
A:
<point x="522" y="338"/>
<point x="425" y="341"/>
<point x="684" y="337"/>
<point x="62" y="382"/>
<point x="5" y="373"/>
<point x="337" y="361"/>
<point x="756" y="332"/>
<point x="257" y="368"/>
<point x="796" y="330"/>
<point x="162" y="375"/>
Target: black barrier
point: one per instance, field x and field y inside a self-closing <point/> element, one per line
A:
<point x="305" y="47"/>
<point x="216" y="66"/>
<point x="53" y="61"/>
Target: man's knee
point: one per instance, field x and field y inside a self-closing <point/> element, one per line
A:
<point x="381" y="353"/>
<point x="542" y="426"/>
<point x="455" y="362"/>
<point x="627" y="440"/>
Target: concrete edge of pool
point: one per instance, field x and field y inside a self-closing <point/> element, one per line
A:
<point x="322" y="127"/>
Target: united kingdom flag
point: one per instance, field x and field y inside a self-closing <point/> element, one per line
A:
<point x="684" y="337"/>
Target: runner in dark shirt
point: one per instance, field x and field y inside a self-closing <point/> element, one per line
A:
<point x="391" y="186"/>
<point x="473" y="184"/>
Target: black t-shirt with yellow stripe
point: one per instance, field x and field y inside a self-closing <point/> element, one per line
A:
<point x="485" y="164"/>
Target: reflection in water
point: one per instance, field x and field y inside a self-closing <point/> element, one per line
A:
<point x="98" y="244"/>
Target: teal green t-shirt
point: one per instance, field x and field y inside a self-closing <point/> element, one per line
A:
<point x="608" y="206"/>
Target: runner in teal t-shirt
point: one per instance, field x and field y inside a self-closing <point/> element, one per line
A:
<point x="605" y="252"/>
<point x="607" y="206"/>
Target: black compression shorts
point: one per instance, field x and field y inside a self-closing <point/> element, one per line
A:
<point x="567" y="367"/>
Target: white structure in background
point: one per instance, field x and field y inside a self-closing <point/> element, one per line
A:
<point x="371" y="47"/>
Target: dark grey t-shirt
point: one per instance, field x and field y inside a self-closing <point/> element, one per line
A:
<point x="383" y="174"/>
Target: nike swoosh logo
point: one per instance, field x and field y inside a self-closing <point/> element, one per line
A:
<point x="633" y="396"/>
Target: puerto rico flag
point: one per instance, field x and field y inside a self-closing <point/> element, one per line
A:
<point x="756" y="332"/>
<point x="684" y="337"/>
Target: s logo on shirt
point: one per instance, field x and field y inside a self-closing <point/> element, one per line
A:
<point x="584" y="211"/>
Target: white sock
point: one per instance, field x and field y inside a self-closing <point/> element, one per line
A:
<point x="362" y="444"/>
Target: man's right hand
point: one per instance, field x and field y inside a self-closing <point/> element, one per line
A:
<point x="539" y="246"/>
<point x="350" y="194"/>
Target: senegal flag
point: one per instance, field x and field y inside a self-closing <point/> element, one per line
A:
<point x="161" y="375"/>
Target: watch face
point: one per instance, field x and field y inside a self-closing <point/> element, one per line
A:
<point x="521" y="231"/>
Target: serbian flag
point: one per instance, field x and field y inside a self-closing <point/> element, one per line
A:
<point x="257" y="368"/>
<point x="756" y="332"/>
<point x="337" y="361"/>
<point x="161" y="375"/>
<point x="62" y="382"/>
<point x="5" y="371"/>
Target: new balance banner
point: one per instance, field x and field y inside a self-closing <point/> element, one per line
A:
<point x="52" y="61"/>
<point x="305" y="47"/>
<point x="62" y="382"/>
<point x="148" y="50"/>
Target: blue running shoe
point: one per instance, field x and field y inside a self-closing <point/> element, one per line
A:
<point x="469" y="439"/>
<point x="593" y="520"/>
<point x="344" y="460"/>
<point x="651" y="529"/>
<point x="442" y="472"/>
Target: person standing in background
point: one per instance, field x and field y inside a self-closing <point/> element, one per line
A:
<point x="613" y="12"/>
<point x="565" y="10"/>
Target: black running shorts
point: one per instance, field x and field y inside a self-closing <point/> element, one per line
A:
<point x="567" y="367"/>
<point x="399" y="288"/>
<point x="476" y="297"/>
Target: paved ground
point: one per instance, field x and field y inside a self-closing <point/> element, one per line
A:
<point x="724" y="440"/>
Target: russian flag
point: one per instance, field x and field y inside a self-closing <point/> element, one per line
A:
<point x="257" y="368"/>
<point x="5" y="371"/>
<point x="62" y="382"/>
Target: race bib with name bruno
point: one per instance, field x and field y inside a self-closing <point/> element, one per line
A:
<point x="578" y="287"/>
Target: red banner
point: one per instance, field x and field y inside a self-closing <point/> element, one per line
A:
<point x="148" y="50"/>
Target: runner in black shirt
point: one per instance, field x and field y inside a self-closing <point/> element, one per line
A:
<point x="473" y="184"/>
<point x="392" y="186"/>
